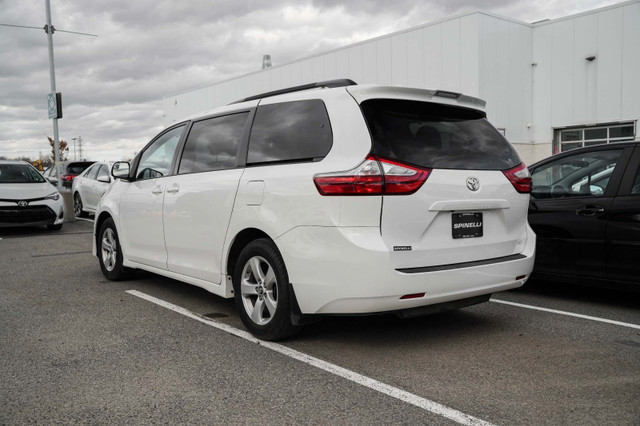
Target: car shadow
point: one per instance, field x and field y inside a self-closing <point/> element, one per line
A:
<point x="37" y="231"/>
<point x="367" y="329"/>
<point x="580" y="293"/>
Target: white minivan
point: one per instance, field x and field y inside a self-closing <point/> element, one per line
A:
<point x="326" y="199"/>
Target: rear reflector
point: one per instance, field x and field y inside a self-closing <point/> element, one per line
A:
<point x="412" y="296"/>
<point x="374" y="176"/>
<point x="520" y="178"/>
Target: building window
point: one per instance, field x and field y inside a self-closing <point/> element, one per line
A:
<point x="578" y="137"/>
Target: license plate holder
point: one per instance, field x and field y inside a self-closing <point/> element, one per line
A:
<point x="466" y="225"/>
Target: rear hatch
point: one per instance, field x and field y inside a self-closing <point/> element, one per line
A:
<point x="473" y="204"/>
<point x="77" y="167"/>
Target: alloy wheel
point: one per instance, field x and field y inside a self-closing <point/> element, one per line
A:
<point x="109" y="249"/>
<point x="77" y="205"/>
<point x="259" y="290"/>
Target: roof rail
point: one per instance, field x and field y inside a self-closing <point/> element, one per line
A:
<point x="329" y="84"/>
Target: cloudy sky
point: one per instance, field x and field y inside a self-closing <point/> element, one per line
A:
<point x="112" y="85"/>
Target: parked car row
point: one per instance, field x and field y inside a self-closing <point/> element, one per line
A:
<point x="341" y="199"/>
<point x="26" y="198"/>
<point x="364" y="199"/>
<point x="65" y="172"/>
<point x="29" y="198"/>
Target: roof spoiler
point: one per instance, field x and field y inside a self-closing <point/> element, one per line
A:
<point x="328" y="84"/>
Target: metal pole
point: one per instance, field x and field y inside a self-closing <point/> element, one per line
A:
<point x="52" y="76"/>
<point x="74" y="148"/>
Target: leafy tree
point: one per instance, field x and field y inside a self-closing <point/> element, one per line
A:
<point x="63" y="149"/>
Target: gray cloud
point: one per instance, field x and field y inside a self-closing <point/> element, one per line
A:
<point x="112" y="85"/>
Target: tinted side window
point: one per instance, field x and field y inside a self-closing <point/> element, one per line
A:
<point x="436" y="136"/>
<point x="290" y="131"/>
<point x="580" y="175"/>
<point x="156" y="159"/>
<point x="213" y="144"/>
<point x="104" y="171"/>
<point x="635" y="186"/>
<point x="92" y="172"/>
<point x="52" y="172"/>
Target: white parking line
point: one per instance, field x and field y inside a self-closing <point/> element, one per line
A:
<point x="570" y="314"/>
<point x="85" y="219"/>
<point x="425" y="404"/>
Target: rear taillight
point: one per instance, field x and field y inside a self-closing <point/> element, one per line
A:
<point x="520" y="178"/>
<point x="402" y="179"/>
<point x="68" y="178"/>
<point x="375" y="176"/>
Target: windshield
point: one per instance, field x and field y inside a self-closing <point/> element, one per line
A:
<point x="19" y="173"/>
<point x="436" y="136"/>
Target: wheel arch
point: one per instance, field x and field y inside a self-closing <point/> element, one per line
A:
<point x="99" y="221"/>
<point x="240" y="241"/>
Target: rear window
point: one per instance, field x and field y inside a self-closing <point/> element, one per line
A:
<point x="436" y="136"/>
<point x="77" y="168"/>
<point x="290" y="132"/>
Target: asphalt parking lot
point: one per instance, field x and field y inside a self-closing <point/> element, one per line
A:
<point x="76" y="348"/>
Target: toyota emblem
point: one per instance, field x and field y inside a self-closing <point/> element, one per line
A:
<point x="23" y="203"/>
<point x="473" y="183"/>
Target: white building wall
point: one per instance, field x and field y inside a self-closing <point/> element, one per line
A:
<point x="442" y="55"/>
<point x="534" y="77"/>
<point x="505" y="75"/>
<point x="568" y="90"/>
<point x="630" y="103"/>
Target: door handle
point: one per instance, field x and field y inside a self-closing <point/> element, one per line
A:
<point x="157" y="190"/>
<point x="173" y="188"/>
<point x="590" y="211"/>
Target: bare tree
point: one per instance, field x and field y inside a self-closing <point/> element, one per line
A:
<point x="63" y="149"/>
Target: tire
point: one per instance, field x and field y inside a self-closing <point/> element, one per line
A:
<point x="55" y="227"/>
<point x="261" y="289"/>
<point x="110" y="253"/>
<point x="77" y="206"/>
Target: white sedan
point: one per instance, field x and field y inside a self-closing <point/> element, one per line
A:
<point x="26" y="198"/>
<point x="89" y="186"/>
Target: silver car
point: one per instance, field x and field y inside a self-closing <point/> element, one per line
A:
<point x="26" y="198"/>
<point x="89" y="186"/>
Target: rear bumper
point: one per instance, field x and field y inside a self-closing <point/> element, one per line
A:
<point x="348" y="270"/>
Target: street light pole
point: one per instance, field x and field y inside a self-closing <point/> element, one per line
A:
<point x="52" y="76"/>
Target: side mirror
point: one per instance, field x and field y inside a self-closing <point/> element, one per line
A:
<point x="120" y="170"/>
<point x="596" y="190"/>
